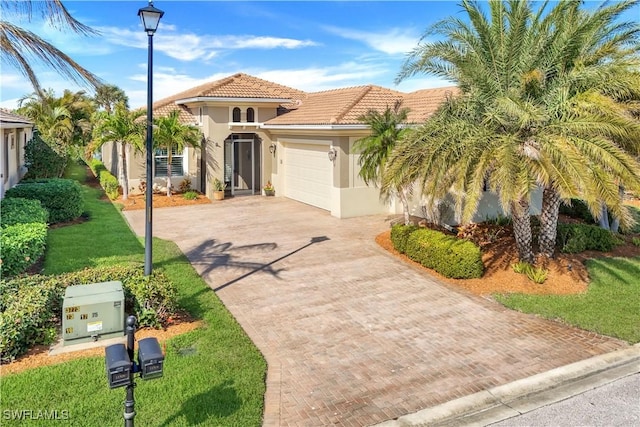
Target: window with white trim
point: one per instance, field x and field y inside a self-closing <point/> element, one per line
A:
<point x="161" y="160"/>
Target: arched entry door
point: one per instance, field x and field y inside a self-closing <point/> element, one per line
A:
<point x="242" y="164"/>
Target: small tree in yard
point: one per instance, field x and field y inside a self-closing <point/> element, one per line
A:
<point x="375" y="149"/>
<point x="120" y="128"/>
<point x="170" y="134"/>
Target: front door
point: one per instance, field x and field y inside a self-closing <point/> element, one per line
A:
<point x="242" y="165"/>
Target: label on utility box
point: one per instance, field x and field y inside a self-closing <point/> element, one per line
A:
<point x="94" y="326"/>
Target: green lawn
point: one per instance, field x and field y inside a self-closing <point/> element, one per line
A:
<point x="611" y="306"/>
<point x="104" y="240"/>
<point x="213" y="376"/>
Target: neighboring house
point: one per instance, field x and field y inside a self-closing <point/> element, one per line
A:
<point x="255" y="131"/>
<point x="16" y="131"/>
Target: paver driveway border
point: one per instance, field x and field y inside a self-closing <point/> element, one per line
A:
<point x="351" y="335"/>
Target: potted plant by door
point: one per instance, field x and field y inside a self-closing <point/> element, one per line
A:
<point x="269" y="190"/>
<point x="218" y="189"/>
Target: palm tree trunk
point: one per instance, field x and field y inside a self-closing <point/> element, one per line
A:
<point x="125" y="176"/>
<point x="402" y="192"/>
<point x="169" y="160"/>
<point x="121" y="164"/>
<point x="603" y="221"/>
<point x="549" y="221"/>
<point x="522" y="229"/>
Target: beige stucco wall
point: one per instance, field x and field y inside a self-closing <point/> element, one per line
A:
<point x="12" y="166"/>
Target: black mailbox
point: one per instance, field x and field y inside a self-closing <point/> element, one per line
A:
<point x="118" y="365"/>
<point x="150" y="358"/>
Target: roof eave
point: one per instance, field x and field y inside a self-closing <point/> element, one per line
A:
<point x="316" y="127"/>
<point x="227" y="100"/>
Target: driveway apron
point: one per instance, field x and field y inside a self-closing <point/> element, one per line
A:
<point x="353" y="336"/>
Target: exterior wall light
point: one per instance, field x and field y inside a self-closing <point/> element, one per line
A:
<point x="272" y="148"/>
<point x="333" y="153"/>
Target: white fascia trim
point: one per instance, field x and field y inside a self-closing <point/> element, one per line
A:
<point x="233" y="100"/>
<point x="316" y="127"/>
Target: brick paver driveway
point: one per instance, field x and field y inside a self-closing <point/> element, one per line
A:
<point x="353" y="336"/>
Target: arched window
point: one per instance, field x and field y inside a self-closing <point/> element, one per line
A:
<point x="250" y="115"/>
<point x="236" y="114"/>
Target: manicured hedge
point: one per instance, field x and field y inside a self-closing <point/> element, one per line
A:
<point x="41" y="160"/>
<point x="22" y="246"/>
<point x="574" y="238"/>
<point x="61" y="197"/>
<point x="400" y="234"/>
<point x="30" y="305"/>
<point x="108" y="182"/>
<point x="577" y="209"/>
<point x="448" y="255"/>
<point x="15" y="210"/>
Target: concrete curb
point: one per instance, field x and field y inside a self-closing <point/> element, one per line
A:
<point x="518" y="397"/>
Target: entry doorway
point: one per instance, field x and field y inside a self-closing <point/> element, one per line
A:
<point x="242" y="164"/>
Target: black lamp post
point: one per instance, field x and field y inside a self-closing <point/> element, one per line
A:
<point x="150" y="17"/>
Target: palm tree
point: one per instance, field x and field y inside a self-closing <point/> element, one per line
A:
<point x="20" y="47"/>
<point x="120" y="128"/>
<point x="171" y="135"/>
<point x="64" y="123"/>
<point x="534" y="111"/>
<point x="374" y="149"/>
<point x="107" y="96"/>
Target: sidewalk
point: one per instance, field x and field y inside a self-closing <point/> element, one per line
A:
<point x="508" y="402"/>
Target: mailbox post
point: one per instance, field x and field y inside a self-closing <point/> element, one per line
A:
<point x="121" y="366"/>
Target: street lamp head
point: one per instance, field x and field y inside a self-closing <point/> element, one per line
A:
<point x="150" y="17"/>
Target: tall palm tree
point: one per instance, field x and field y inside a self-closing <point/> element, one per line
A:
<point x="122" y="129"/>
<point x="170" y="134"/>
<point x="108" y="96"/>
<point x="21" y="47"/>
<point x="374" y="149"/>
<point x="534" y="111"/>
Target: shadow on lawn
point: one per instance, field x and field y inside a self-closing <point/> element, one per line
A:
<point x="217" y="402"/>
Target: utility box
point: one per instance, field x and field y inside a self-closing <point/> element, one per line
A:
<point x="92" y="312"/>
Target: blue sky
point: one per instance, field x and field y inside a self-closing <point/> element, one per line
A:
<point x="306" y="45"/>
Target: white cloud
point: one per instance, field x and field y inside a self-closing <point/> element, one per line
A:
<point x="393" y="41"/>
<point x="413" y="84"/>
<point x="189" y="46"/>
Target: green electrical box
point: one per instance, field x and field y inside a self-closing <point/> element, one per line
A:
<point x="92" y="312"/>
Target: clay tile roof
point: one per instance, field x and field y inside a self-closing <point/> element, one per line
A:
<point x="339" y="106"/>
<point x="236" y="86"/>
<point x="7" y="116"/>
<point x="344" y="106"/>
<point x="423" y="103"/>
<point x="330" y="107"/>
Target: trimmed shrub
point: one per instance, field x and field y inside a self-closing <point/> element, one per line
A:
<point x="190" y="195"/>
<point x="400" y="234"/>
<point x="61" y="197"/>
<point x="28" y="315"/>
<point x="449" y="256"/>
<point x="574" y="238"/>
<point x="108" y="182"/>
<point x="15" y="210"/>
<point x="41" y="160"/>
<point x="22" y="246"/>
<point x="577" y="209"/>
<point x="152" y="299"/>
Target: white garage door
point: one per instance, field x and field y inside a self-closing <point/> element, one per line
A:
<point x="308" y="174"/>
